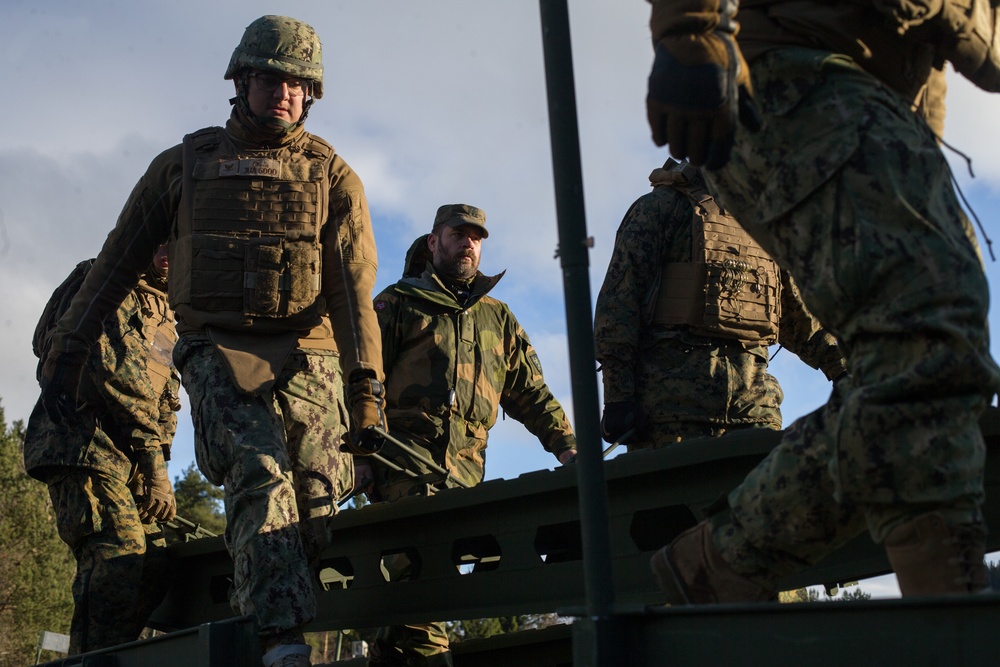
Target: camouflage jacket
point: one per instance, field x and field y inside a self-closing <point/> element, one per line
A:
<point x="122" y="410"/>
<point x="676" y="375"/>
<point x="449" y="367"/>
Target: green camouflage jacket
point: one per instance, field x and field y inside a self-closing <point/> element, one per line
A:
<point x="449" y="367"/>
<point x="123" y="411"/>
<point x="676" y="375"/>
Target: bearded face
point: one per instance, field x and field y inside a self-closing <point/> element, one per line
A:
<point x="456" y="251"/>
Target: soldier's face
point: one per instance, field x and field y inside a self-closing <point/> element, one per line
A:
<point x="456" y="251"/>
<point x="278" y="103"/>
<point x="160" y="263"/>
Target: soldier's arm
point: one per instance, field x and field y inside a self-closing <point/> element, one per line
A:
<point x="650" y="224"/>
<point x="170" y="404"/>
<point x="803" y="334"/>
<point x="527" y="398"/>
<point x="119" y="375"/>
<point x="386" y="306"/>
<point x="964" y="33"/>
<point x="350" y="264"/>
<point x="143" y="225"/>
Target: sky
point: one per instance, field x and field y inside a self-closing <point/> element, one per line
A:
<point x="436" y="102"/>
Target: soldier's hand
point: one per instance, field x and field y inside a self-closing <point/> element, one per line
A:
<point x="699" y="86"/>
<point x="620" y="417"/>
<point x="154" y="496"/>
<point x="366" y="402"/>
<point x="364" y="477"/>
<point x="61" y="375"/>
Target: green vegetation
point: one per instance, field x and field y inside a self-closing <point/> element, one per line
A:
<point x="199" y="501"/>
<point x="36" y="568"/>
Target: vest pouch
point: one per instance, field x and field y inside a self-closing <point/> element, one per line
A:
<point x="217" y="266"/>
<point x="262" y="279"/>
<point x="741" y="300"/>
<point x="304" y="274"/>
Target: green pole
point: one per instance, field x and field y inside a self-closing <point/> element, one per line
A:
<point x="573" y="254"/>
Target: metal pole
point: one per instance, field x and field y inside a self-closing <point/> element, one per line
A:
<point x="573" y="248"/>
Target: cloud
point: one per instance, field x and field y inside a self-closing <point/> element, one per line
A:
<point x="431" y="103"/>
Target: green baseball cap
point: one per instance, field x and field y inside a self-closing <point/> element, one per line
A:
<point x="456" y="215"/>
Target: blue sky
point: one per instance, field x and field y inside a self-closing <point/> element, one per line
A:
<point x="435" y="102"/>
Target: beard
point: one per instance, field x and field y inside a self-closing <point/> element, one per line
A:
<point x="454" y="268"/>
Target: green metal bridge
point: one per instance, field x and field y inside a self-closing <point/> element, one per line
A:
<point x="511" y="547"/>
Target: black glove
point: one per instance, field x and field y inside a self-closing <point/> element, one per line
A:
<point x="61" y="375"/>
<point x="154" y="496"/>
<point x="620" y="417"/>
<point x="365" y="400"/>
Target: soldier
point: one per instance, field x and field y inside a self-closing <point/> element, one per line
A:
<point x="273" y="263"/>
<point x="453" y="355"/>
<point x="684" y="318"/>
<point x="106" y="467"/>
<point x="847" y="190"/>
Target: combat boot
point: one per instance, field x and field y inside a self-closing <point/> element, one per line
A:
<point x="690" y="570"/>
<point x="932" y="557"/>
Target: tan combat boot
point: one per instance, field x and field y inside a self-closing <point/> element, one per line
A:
<point x="690" y="570"/>
<point x="932" y="557"/>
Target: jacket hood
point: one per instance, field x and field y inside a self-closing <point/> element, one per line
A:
<point x="417" y="258"/>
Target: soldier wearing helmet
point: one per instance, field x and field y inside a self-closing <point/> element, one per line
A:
<point x="272" y="266"/>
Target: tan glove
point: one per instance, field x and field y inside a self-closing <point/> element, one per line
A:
<point x="365" y="400"/>
<point x="154" y="496"/>
<point x="699" y="87"/>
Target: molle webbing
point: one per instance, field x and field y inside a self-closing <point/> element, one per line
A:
<point x="730" y="288"/>
<point x="251" y="221"/>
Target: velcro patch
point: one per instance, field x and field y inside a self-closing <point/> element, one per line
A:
<point x="535" y="363"/>
<point x="267" y="167"/>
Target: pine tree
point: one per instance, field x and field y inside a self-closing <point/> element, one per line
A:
<point x="36" y="567"/>
<point x="199" y="501"/>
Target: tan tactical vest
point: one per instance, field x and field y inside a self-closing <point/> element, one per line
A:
<point x="731" y="288"/>
<point x="247" y="247"/>
<point x="160" y="335"/>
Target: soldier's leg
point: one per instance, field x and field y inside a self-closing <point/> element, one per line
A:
<point x="310" y="400"/>
<point x="97" y="518"/>
<point x="420" y="644"/>
<point x="886" y="259"/>
<point x="240" y="444"/>
<point x="417" y="645"/>
<point x="155" y="570"/>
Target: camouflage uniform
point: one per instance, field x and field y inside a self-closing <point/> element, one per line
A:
<point x="845" y="187"/>
<point x="688" y="384"/>
<point x="122" y="571"/>
<point x="450" y="364"/>
<point x="273" y="261"/>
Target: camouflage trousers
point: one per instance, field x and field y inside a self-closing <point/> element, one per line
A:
<point x="419" y="644"/>
<point x="695" y="386"/>
<point x="122" y="570"/>
<point x="278" y="457"/>
<point x="846" y="188"/>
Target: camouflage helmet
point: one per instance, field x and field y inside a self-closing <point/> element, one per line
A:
<point x="280" y="44"/>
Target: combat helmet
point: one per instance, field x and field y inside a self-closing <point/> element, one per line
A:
<point x="280" y="44"/>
